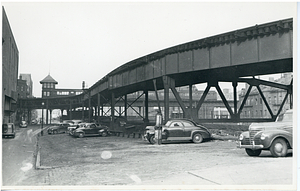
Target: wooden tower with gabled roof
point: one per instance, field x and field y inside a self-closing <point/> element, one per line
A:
<point x="48" y="86"/>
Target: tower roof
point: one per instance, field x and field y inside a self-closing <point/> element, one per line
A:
<point x="48" y="79"/>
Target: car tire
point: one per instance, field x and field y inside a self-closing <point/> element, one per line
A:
<point x="197" y="138"/>
<point x="279" y="148"/>
<point x="55" y="132"/>
<point x="151" y="139"/>
<point x="104" y="134"/>
<point x="80" y="135"/>
<point x="253" y="153"/>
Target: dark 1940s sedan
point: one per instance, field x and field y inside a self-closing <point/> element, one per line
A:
<point x="179" y="130"/>
<point x="91" y="129"/>
<point x="59" y="128"/>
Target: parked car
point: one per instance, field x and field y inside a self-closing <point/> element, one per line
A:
<point x="74" y="127"/>
<point x="91" y="129"/>
<point x="59" y="128"/>
<point x="34" y="122"/>
<point x="274" y="136"/>
<point x="23" y="124"/>
<point x="179" y="130"/>
<point x="8" y="130"/>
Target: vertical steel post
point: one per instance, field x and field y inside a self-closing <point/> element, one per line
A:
<point x="191" y="100"/>
<point x="234" y="84"/>
<point x="98" y="106"/>
<point x="146" y="106"/>
<point x="89" y="106"/>
<point x="113" y="102"/>
<point x="42" y="118"/>
<point x="125" y="106"/>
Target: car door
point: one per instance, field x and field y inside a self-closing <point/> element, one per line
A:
<point x="87" y="129"/>
<point x="64" y="127"/>
<point x="93" y="129"/>
<point x="188" y="128"/>
<point x="175" y="131"/>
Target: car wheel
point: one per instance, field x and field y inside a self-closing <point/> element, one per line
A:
<point x="152" y="139"/>
<point x="197" y="138"/>
<point x="55" y="132"/>
<point x="279" y="148"/>
<point x="253" y="153"/>
<point x="104" y="134"/>
<point x="80" y="135"/>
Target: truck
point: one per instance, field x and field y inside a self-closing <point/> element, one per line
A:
<point x="277" y="137"/>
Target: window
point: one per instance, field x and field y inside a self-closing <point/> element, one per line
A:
<point x="48" y="93"/>
<point x="176" y="124"/>
<point x="186" y="124"/>
<point x="45" y="93"/>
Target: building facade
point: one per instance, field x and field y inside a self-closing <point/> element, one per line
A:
<point x="49" y="89"/>
<point x="10" y="65"/>
<point x="255" y="106"/>
<point x="27" y="78"/>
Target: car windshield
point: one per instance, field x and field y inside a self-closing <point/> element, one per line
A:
<point x="285" y="117"/>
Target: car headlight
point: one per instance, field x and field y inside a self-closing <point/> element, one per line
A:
<point x="263" y="136"/>
<point x="241" y="137"/>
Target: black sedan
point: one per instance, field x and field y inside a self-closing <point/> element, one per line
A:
<point x="59" y="128"/>
<point x="91" y="129"/>
<point x="179" y="130"/>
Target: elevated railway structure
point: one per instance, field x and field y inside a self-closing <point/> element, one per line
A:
<point x="235" y="57"/>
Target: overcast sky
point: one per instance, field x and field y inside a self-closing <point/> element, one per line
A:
<point x="77" y="42"/>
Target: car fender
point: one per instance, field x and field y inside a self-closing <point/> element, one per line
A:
<point x="204" y="134"/>
<point x="79" y="131"/>
<point x="272" y="135"/>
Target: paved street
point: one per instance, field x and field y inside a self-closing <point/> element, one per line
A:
<point x="18" y="155"/>
<point x="122" y="161"/>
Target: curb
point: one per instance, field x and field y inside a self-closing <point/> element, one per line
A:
<point x="38" y="162"/>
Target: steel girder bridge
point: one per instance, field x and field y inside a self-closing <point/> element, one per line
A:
<point x="235" y="57"/>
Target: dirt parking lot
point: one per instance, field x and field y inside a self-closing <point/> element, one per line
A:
<point x="117" y="160"/>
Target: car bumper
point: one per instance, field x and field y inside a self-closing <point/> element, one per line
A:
<point x="23" y="126"/>
<point x="253" y="146"/>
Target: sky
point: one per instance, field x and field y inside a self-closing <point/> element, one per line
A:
<point x="75" y="42"/>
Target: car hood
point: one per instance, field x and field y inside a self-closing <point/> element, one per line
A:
<point x="269" y="126"/>
<point x="53" y="127"/>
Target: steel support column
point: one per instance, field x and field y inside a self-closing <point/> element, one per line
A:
<point x="166" y="101"/>
<point x="50" y="111"/>
<point x="146" y="106"/>
<point x="89" y="106"/>
<point x="234" y="84"/>
<point x="156" y="94"/>
<point x="125" y="106"/>
<point x="191" y="99"/>
<point x="47" y="108"/>
<point x="98" y="106"/>
<point x="169" y="82"/>
<point x="113" y="102"/>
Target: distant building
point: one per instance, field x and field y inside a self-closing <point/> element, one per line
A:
<point x="27" y="78"/>
<point x="21" y="89"/>
<point x="49" y="89"/>
<point x="255" y="106"/>
<point x="207" y="110"/>
<point x="10" y="65"/>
